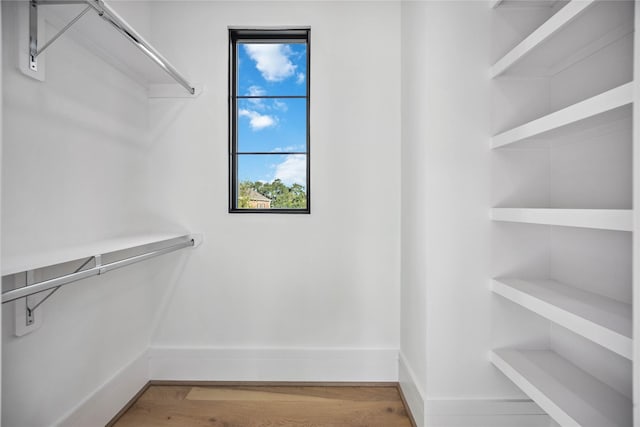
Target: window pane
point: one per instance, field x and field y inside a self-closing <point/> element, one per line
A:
<point x="272" y="181"/>
<point x="272" y="69"/>
<point x="272" y="125"/>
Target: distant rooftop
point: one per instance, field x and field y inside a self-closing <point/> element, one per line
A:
<point x="254" y="195"/>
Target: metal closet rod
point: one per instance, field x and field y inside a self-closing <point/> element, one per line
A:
<point x="110" y="15"/>
<point x="36" y="288"/>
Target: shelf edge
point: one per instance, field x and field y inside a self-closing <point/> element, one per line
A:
<point x="606" y="101"/>
<point x="550" y="27"/>
<point x="599" y="334"/>
<point x="542" y="386"/>
<point x="600" y="219"/>
<point x="548" y="405"/>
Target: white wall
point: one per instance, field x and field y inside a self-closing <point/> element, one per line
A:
<point x="413" y="311"/>
<point x="636" y="214"/>
<point x="446" y="305"/>
<point x="329" y="280"/>
<point x="74" y="158"/>
<point x="1" y="134"/>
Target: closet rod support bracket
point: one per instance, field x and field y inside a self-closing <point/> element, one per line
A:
<point x="98" y="261"/>
<point x="33" y="35"/>
<point x="29" y="316"/>
<point x="33" y="32"/>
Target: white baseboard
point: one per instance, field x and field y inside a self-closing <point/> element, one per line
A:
<point x="485" y="413"/>
<point x="488" y="421"/>
<point x="466" y="412"/>
<point x="106" y="401"/>
<point x="411" y="390"/>
<point x="288" y="364"/>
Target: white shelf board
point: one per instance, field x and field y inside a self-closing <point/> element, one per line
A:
<point x="570" y="396"/>
<point x="596" y="111"/>
<point x="103" y="40"/>
<point x="12" y="264"/>
<point x="604" y="219"/>
<point x="602" y="320"/>
<point x="567" y="36"/>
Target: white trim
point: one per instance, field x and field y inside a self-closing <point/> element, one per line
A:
<point x="466" y="407"/>
<point x="106" y="401"/>
<point x="484" y="413"/>
<point x="273" y="364"/>
<point x="413" y="393"/>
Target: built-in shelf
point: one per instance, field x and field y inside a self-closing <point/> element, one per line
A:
<point x="17" y="263"/>
<point x="576" y="31"/>
<point x="568" y="394"/>
<point x="602" y="320"/>
<point x="604" y="219"/>
<point x="109" y="36"/>
<point x="599" y="110"/>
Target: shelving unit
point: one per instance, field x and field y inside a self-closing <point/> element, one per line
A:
<point x="602" y="320"/>
<point x="602" y="219"/>
<point x="566" y="150"/>
<point x="569" y="395"/>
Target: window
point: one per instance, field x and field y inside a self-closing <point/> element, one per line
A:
<point x="269" y="121"/>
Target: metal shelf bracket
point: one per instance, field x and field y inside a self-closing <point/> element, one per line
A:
<point x="109" y="15"/>
<point x="33" y="32"/>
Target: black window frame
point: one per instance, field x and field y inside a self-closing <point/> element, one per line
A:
<point x="264" y="35"/>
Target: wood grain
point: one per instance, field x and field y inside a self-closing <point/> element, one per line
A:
<point x="262" y="406"/>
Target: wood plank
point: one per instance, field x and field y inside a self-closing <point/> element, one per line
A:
<point x="235" y="394"/>
<point x="164" y="393"/>
<point x="357" y="393"/>
<point x="255" y="406"/>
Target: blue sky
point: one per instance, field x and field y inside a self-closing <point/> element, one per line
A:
<point x="272" y="125"/>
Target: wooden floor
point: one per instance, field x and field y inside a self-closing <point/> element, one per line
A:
<point x="253" y="406"/>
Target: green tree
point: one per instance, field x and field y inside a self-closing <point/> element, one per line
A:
<point x="281" y="195"/>
<point x="243" y="194"/>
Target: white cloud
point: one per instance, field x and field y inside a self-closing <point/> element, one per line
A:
<point x="258" y="121"/>
<point x="256" y="91"/>
<point x="280" y="105"/>
<point x="300" y="78"/>
<point x="272" y="60"/>
<point x="293" y="170"/>
<point x="288" y="148"/>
